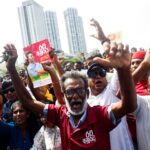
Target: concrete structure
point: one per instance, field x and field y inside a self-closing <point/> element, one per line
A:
<point x="75" y="31"/>
<point x="52" y="29"/>
<point x="32" y="22"/>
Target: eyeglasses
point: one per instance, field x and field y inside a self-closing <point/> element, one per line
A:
<point x="71" y="92"/>
<point x="8" y="90"/>
<point x="99" y="71"/>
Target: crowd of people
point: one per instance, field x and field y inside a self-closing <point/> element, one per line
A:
<point x="99" y="104"/>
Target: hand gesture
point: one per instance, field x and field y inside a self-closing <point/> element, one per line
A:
<point x="99" y="31"/>
<point x="10" y="49"/>
<point x="26" y="63"/>
<point x="118" y="56"/>
<point x="47" y="66"/>
<point x="61" y="59"/>
<point x="52" y="55"/>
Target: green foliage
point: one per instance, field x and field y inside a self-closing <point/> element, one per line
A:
<point x="73" y="60"/>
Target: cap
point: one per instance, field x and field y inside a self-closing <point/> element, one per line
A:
<point x="138" y="55"/>
<point x="96" y="66"/>
<point x="6" y="85"/>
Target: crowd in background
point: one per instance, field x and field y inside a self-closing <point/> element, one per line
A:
<point x="101" y="102"/>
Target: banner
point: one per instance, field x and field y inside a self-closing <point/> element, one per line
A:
<point x="36" y="54"/>
<point x="40" y="50"/>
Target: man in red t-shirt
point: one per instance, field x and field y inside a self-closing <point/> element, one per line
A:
<point x="141" y="86"/>
<point x="82" y="126"/>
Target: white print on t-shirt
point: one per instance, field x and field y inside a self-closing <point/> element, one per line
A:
<point x="90" y="137"/>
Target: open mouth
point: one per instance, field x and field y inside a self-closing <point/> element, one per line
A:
<point x="98" y="83"/>
<point x="76" y="105"/>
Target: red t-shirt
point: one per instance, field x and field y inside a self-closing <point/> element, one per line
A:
<point x="141" y="87"/>
<point x="93" y="134"/>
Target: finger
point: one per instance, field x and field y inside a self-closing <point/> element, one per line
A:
<point x="94" y="22"/>
<point x="126" y="48"/>
<point x="106" y="47"/>
<point x="92" y="19"/>
<point x="113" y="48"/>
<point x="119" y="50"/>
<point x="6" y="47"/>
<point x="103" y="62"/>
<point x="44" y="66"/>
<point x="9" y="48"/>
<point x="13" y="46"/>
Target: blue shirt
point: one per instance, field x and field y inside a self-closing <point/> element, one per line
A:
<point x="13" y="135"/>
<point x="33" y="69"/>
<point x="6" y="115"/>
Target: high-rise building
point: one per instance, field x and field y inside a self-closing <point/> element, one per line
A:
<point x="52" y="29"/>
<point x="75" y="31"/>
<point x="32" y="22"/>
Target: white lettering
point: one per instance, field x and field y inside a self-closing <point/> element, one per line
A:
<point x="89" y="137"/>
<point x="42" y="50"/>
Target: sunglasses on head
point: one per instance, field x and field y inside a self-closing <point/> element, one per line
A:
<point x="95" y="72"/>
<point x="9" y="90"/>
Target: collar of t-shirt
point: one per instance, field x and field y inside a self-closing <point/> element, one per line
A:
<point x="71" y="120"/>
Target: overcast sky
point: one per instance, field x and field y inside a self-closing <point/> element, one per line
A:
<point x="132" y="17"/>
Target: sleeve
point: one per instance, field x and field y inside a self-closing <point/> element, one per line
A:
<point x="142" y="101"/>
<point x="114" y="84"/>
<point x="111" y="116"/>
<point x="53" y="113"/>
<point x="106" y="116"/>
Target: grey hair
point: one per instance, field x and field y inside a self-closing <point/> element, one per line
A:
<point x="16" y="103"/>
<point x="74" y="75"/>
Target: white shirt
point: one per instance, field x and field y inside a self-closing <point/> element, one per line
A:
<point x="120" y="138"/>
<point x="47" y="139"/>
<point x="143" y="122"/>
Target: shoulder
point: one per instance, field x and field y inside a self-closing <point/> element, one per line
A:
<point x="143" y="99"/>
<point x="61" y="110"/>
<point x="99" y="110"/>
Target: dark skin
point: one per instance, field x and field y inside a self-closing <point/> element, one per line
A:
<point x="49" y="67"/>
<point x="20" y="116"/>
<point x="119" y="59"/>
<point x="73" y="84"/>
<point x="97" y="85"/>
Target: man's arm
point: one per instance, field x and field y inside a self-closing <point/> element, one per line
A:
<point x="100" y="36"/>
<point x="119" y="58"/>
<point x="143" y="68"/>
<point x="23" y="94"/>
<point x="56" y="84"/>
<point x="56" y="63"/>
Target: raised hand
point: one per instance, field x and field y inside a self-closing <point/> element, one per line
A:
<point x="47" y="66"/>
<point x="99" y="31"/>
<point x="147" y="58"/>
<point x="118" y="56"/>
<point x="10" y="49"/>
